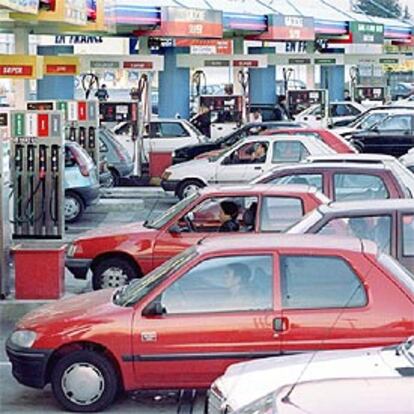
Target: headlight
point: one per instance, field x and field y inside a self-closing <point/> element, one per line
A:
<point x="264" y="405"/>
<point x="72" y="250"/>
<point x="166" y="175"/>
<point x="23" y="338"/>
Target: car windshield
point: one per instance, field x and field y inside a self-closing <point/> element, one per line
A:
<point x="399" y="272"/>
<point x="162" y="219"/>
<point x="371" y="119"/>
<point x="308" y="221"/>
<point x="130" y="294"/>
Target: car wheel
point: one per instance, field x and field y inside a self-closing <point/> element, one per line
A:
<point x="189" y="187"/>
<point x="358" y="146"/>
<point x="114" y="180"/>
<point x="84" y="381"/>
<point x="112" y="273"/>
<point x="74" y="207"/>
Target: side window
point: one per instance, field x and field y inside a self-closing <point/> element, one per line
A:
<point x="307" y="179"/>
<point x="172" y="129"/>
<point x="279" y="213"/>
<point x="312" y="282"/>
<point x="396" y="123"/>
<point x="359" y="187"/>
<point x="288" y="151"/>
<point x="375" y="228"/>
<point x="352" y="110"/>
<point x="408" y="234"/>
<point x="207" y="217"/>
<point x="250" y="153"/>
<point x="224" y="284"/>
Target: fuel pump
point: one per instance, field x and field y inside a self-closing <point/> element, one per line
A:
<point x="370" y="94"/>
<point x="301" y="99"/>
<point x="81" y="122"/>
<point x="37" y="147"/>
<point x="89" y="82"/>
<point x="354" y="76"/>
<point x="5" y="235"/>
<point x="287" y="74"/>
<point x="243" y="79"/>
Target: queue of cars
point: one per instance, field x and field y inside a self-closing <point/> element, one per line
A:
<point x="179" y="302"/>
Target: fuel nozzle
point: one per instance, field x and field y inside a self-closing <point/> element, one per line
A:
<point x="82" y="136"/>
<point x="42" y="162"/>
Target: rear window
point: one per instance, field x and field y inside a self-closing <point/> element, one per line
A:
<point x="81" y="155"/>
<point x="400" y="273"/>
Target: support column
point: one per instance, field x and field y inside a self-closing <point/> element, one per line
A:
<point x="238" y="49"/>
<point x="174" y="86"/>
<point x="21" y="87"/>
<point x="310" y="76"/>
<point x="55" y="87"/>
<point x="262" y="82"/>
<point x="333" y="79"/>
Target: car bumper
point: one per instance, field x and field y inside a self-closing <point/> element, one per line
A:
<point x="29" y="366"/>
<point x="104" y="177"/>
<point x="169" y="185"/>
<point x="90" y="194"/>
<point x="78" y="267"/>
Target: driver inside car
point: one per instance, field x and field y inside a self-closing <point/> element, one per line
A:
<point x="229" y="211"/>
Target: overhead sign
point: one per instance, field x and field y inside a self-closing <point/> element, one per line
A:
<point x="372" y="33"/>
<point x="214" y="46"/>
<point x="126" y="62"/>
<point x="238" y="61"/>
<point x="288" y="28"/>
<point x="20" y="66"/>
<point x="61" y="65"/>
<point x="23" y="6"/>
<point x="77" y="39"/>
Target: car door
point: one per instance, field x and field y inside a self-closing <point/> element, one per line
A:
<point x="238" y="166"/>
<point x="324" y="302"/>
<point x="203" y="220"/>
<point x="166" y="136"/>
<point x="218" y="312"/>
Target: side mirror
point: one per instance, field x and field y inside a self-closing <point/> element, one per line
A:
<point x="153" y="309"/>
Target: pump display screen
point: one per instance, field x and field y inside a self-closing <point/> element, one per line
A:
<point x="371" y="93"/>
<point x="301" y="99"/>
<point x="118" y="112"/>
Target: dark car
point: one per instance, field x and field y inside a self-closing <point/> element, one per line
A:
<point x="390" y="224"/>
<point x="394" y="135"/>
<point x="252" y="128"/>
<point x="347" y="181"/>
<point x="402" y="90"/>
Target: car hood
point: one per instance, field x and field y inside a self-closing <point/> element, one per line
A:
<point x="271" y="373"/>
<point x="192" y="166"/>
<point x="344" y="130"/>
<point x="113" y="231"/>
<point x="65" y="311"/>
<point x="201" y="146"/>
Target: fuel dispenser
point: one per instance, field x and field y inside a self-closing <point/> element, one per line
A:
<point x="226" y="113"/>
<point x="129" y="112"/>
<point x="301" y="99"/>
<point x="5" y="235"/>
<point x="37" y="148"/>
<point x="374" y="94"/>
<point x="81" y="122"/>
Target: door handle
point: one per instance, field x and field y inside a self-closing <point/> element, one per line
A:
<point x="257" y="168"/>
<point x="280" y="324"/>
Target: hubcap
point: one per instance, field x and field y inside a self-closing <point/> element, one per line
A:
<point x="72" y="208"/>
<point x="82" y="383"/>
<point x="113" y="277"/>
<point x="190" y="190"/>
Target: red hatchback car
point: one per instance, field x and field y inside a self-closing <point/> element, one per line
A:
<point x="217" y="303"/>
<point x="331" y="138"/>
<point x="119" y="254"/>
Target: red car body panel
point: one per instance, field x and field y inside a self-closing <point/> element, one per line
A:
<point x="191" y="350"/>
<point x="330" y="138"/>
<point x="149" y="247"/>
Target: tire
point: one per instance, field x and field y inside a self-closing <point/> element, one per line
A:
<point x="358" y="146"/>
<point x="188" y="187"/>
<point x="114" y="180"/>
<point x="112" y="272"/>
<point x="74" y="207"/>
<point x="98" y="381"/>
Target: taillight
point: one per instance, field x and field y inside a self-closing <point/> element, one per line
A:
<point x="83" y="166"/>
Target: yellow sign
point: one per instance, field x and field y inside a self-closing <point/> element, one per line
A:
<point x="61" y="66"/>
<point x="21" y="67"/>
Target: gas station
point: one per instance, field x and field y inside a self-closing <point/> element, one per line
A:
<point x="56" y="56"/>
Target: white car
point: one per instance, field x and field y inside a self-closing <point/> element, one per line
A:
<point x="365" y="121"/>
<point x="238" y="165"/>
<point x="339" y="111"/>
<point x="246" y="382"/>
<point x="161" y="135"/>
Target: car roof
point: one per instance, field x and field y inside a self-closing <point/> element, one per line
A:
<point x="263" y="241"/>
<point x="366" y="206"/>
<point x="268" y="189"/>
<point x="360" y="158"/>
<point x="280" y="137"/>
<point x="331" y="165"/>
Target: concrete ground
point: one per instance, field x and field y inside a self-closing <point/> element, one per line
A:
<point x="119" y="206"/>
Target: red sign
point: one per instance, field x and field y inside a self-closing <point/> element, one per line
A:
<point x="138" y="65"/>
<point x="16" y="70"/>
<point x="82" y="111"/>
<point x="42" y="125"/>
<point x="64" y="69"/>
<point x="245" y="63"/>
